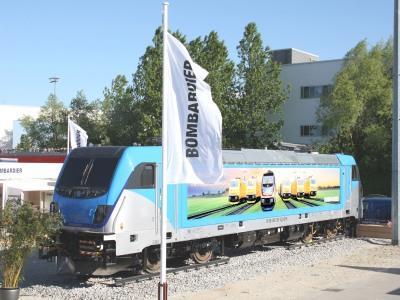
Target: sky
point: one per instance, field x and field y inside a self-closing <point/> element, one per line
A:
<point x="88" y="43"/>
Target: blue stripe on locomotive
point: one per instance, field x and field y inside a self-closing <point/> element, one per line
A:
<point x="83" y="210"/>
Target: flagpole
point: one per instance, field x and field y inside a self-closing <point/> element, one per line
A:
<point x="163" y="287"/>
<point x="68" y="135"/>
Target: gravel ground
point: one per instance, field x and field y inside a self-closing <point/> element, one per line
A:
<point x="41" y="281"/>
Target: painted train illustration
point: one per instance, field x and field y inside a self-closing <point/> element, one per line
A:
<point x="310" y="187"/>
<point x="268" y="190"/>
<point x="242" y="190"/>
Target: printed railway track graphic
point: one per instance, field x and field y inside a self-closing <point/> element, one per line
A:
<point x="241" y="209"/>
<point x="289" y="204"/>
<point x="306" y="202"/>
<point x="212" y="211"/>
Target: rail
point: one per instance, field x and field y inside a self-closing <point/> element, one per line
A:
<point x="141" y="277"/>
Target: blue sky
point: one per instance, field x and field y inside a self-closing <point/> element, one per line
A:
<point x="87" y="43"/>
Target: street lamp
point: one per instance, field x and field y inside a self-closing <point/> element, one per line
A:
<point x="54" y="80"/>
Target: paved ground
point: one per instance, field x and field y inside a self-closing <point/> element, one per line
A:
<point x="373" y="274"/>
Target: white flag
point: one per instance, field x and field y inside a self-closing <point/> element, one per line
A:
<point x="194" y="122"/>
<point x="78" y="136"/>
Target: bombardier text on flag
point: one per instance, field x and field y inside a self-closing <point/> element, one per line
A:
<point x="194" y="122"/>
<point x="78" y="136"/>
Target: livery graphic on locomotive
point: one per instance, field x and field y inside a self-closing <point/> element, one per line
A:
<point x="254" y="190"/>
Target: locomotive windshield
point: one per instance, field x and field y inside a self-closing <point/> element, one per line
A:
<point x="234" y="183"/>
<point x="268" y="181"/>
<point x="85" y="177"/>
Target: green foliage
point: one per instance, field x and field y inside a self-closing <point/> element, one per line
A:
<point x="121" y="117"/>
<point x="259" y="93"/>
<point x="147" y="85"/>
<point x="48" y="130"/>
<point x="131" y="112"/>
<point x="21" y="230"/>
<point x="358" y="113"/>
<point x="212" y="54"/>
<point x="88" y="116"/>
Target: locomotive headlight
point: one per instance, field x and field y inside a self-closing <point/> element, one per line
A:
<point x="101" y="213"/>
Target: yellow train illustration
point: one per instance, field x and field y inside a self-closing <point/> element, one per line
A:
<point x="297" y="187"/>
<point x="237" y="190"/>
<point x="285" y="189"/>
<point x="253" y="189"/>
<point x="310" y="187"/>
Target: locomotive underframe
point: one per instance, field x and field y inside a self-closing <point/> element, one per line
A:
<point x="92" y="254"/>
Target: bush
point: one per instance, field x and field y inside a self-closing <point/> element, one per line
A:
<point x="21" y="230"/>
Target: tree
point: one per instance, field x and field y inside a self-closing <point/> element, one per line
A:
<point x="88" y="115"/>
<point x="121" y="115"/>
<point x="358" y="113"/>
<point x="49" y="130"/>
<point x="259" y="93"/>
<point x="212" y="54"/>
<point x="6" y="142"/>
<point x="147" y="84"/>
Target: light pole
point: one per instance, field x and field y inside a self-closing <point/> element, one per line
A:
<point x="54" y="80"/>
<point x="395" y="130"/>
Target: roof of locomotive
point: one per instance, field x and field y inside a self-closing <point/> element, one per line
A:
<point x="243" y="156"/>
<point x="277" y="157"/>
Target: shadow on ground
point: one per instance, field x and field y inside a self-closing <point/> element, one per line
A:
<point x="395" y="271"/>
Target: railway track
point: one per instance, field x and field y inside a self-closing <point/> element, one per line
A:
<point x="241" y="209"/>
<point x="318" y="241"/>
<point x="142" y="277"/>
<point x="212" y="211"/>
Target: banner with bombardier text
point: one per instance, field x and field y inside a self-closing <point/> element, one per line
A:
<point x="194" y="122"/>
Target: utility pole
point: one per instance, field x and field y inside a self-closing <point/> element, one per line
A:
<point x="395" y="129"/>
<point x="54" y="80"/>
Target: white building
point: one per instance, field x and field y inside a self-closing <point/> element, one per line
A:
<point x="9" y="125"/>
<point x="31" y="182"/>
<point x="308" y="79"/>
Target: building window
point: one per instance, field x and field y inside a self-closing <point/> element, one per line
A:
<point x="309" y="130"/>
<point x="317" y="91"/>
<point x="313" y="130"/>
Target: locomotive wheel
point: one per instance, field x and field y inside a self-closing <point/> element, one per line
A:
<point x="201" y="256"/>
<point x="151" y="261"/>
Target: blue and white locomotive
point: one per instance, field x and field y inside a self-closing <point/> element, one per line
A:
<point x="109" y="198"/>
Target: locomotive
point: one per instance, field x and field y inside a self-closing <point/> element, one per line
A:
<point x="109" y="198"/>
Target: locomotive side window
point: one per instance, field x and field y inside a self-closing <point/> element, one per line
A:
<point x="142" y="177"/>
<point x="355" y="175"/>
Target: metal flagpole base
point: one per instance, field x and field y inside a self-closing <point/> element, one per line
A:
<point x="162" y="287"/>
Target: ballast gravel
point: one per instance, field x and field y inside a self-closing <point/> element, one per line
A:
<point x="41" y="281"/>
